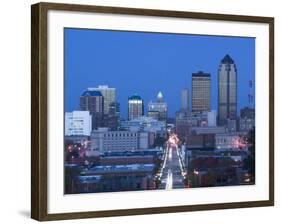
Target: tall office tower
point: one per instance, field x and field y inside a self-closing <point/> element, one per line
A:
<point x="114" y="109"/>
<point x="159" y="106"/>
<point x="201" y="91"/>
<point x="93" y="102"/>
<point x="135" y="107"/>
<point x="109" y="95"/>
<point x="185" y="100"/>
<point x="227" y="90"/>
<point x="112" y="119"/>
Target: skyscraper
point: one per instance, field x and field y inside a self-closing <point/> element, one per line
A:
<point x="185" y="100"/>
<point x="109" y="95"/>
<point x="159" y="106"/>
<point x="135" y="107"/>
<point x="93" y="102"/>
<point x="201" y="90"/>
<point x="112" y="119"/>
<point x="227" y="90"/>
<point x="114" y="109"/>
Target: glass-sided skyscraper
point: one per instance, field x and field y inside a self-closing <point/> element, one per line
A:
<point x="93" y="101"/>
<point x="201" y="91"/>
<point x="135" y="107"/>
<point x="109" y="95"/>
<point x="227" y="90"/>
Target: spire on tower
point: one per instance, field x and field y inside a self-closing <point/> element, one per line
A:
<point x="159" y="97"/>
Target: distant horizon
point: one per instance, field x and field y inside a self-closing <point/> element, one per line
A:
<point x="152" y="62"/>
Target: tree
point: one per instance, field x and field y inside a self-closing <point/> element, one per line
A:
<point x="249" y="162"/>
<point x="71" y="155"/>
<point x="208" y="180"/>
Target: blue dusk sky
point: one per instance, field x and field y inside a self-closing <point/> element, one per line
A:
<point x="146" y="63"/>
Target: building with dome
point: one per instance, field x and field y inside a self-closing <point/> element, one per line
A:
<point x="158" y="109"/>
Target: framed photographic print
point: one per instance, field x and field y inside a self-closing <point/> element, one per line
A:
<point x="141" y="111"/>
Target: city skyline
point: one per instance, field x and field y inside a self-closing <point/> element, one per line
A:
<point x="76" y="83"/>
<point x="203" y="142"/>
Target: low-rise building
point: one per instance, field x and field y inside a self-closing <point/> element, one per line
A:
<point x="215" y="167"/>
<point x="212" y="118"/>
<point x="230" y="140"/>
<point x="110" y="178"/>
<point x="154" y="114"/>
<point x="202" y="137"/>
<point x="103" y="140"/>
<point x="232" y="125"/>
<point x="200" y="141"/>
<point x="247" y="119"/>
<point x="147" y="124"/>
<point x="246" y="124"/>
<point x="207" y="130"/>
<point x="78" y="123"/>
<point x="184" y="121"/>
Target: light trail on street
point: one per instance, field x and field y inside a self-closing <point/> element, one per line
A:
<point x="169" y="182"/>
<point x="171" y="172"/>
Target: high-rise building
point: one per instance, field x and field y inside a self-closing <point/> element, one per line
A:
<point x="135" y="107"/>
<point x="93" y="102"/>
<point x="201" y="91"/>
<point x="114" y="109"/>
<point x="109" y="95"/>
<point x="227" y="90"/>
<point x="78" y="123"/>
<point x="185" y="100"/>
<point x="159" y="106"/>
<point x="112" y="119"/>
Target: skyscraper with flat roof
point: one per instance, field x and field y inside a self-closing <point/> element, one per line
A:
<point x="227" y="90"/>
<point x="93" y="102"/>
<point x="135" y="106"/>
<point x="201" y="91"/>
